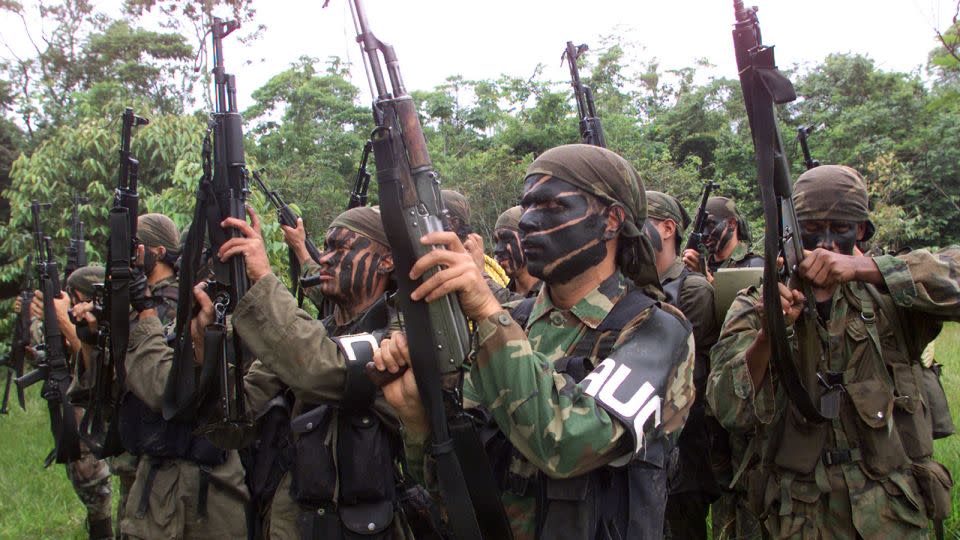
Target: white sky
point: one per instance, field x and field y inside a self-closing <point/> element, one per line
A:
<point x="482" y="40"/>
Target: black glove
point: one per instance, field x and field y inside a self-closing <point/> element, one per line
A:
<point x="140" y="297"/>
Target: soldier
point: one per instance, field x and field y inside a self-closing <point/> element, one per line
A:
<point x="693" y="488"/>
<point x="869" y="473"/>
<point x="184" y="486"/>
<point x="458" y="221"/>
<point x="727" y="240"/>
<point x="593" y="442"/>
<point x="509" y="255"/>
<point x="327" y="488"/>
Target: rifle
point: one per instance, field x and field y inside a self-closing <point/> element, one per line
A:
<point x="591" y="132"/>
<point x="411" y="206"/>
<point x="77" y="250"/>
<point x="358" y="197"/>
<point x="221" y="194"/>
<point x="286" y="216"/>
<point x="14" y="361"/>
<point x="763" y="87"/>
<point x="695" y="240"/>
<point x="802" y="133"/>
<point x="53" y="370"/>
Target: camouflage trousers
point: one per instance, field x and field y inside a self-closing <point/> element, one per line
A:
<point x="124" y="467"/>
<point x="91" y="481"/>
<point x="731" y="520"/>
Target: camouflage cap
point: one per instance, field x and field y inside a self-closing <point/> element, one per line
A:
<point x="456" y="204"/>
<point x="725" y="208"/>
<point x="662" y="206"/>
<point x="83" y="279"/>
<point x="155" y="230"/>
<point x="363" y="220"/>
<point x="510" y="219"/>
<point x="833" y="192"/>
<point x="606" y="175"/>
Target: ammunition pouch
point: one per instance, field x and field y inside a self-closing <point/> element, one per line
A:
<point x="272" y="452"/>
<point x="940" y="418"/>
<point x="367" y="521"/>
<point x="935" y="482"/>
<point x="143" y="431"/>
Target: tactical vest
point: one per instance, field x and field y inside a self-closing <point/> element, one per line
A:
<point x="883" y="423"/>
<point x="611" y="502"/>
<point x="342" y="457"/>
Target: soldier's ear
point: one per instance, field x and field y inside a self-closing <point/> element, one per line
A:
<point x="861" y="230"/>
<point x="616" y="216"/>
<point x="385" y="266"/>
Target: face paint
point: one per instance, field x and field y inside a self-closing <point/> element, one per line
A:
<point x="349" y="266"/>
<point x="717" y="233"/>
<point x="508" y="252"/>
<point x="149" y="261"/>
<point x="561" y="230"/>
<point x="651" y="232"/>
<point x="836" y="236"/>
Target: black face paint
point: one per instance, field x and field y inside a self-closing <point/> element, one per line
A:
<point x="717" y="233"/>
<point x="561" y="230"/>
<point x="351" y="262"/>
<point x="836" y="236"/>
<point x="149" y="261"/>
<point x="508" y="252"/>
<point x="651" y="232"/>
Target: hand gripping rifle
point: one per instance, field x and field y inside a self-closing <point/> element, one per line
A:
<point x="15" y="359"/>
<point x="695" y="240"/>
<point x="286" y="216"/>
<point x="53" y="371"/>
<point x="77" y="250"/>
<point x="410" y="207"/>
<point x="802" y="133"/>
<point x="763" y="87"/>
<point x="591" y="132"/>
<point x="222" y="193"/>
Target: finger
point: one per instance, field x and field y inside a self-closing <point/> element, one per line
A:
<point x="438" y="257"/>
<point x="404" y="349"/>
<point x="254" y="219"/>
<point x="459" y="283"/>
<point x="237" y="249"/>
<point x="436" y="280"/>
<point x="240" y="225"/>
<point x="388" y="357"/>
<point x="299" y="223"/>
<point x="448" y="239"/>
<point x="202" y="298"/>
<point x="378" y="355"/>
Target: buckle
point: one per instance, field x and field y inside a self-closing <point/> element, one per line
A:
<point x="840" y="456"/>
<point x="831" y="379"/>
<point x="868" y="318"/>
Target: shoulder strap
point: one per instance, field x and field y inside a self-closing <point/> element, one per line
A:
<point x="602" y="338"/>
<point x="672" y="288"/>
<point x="895" y="319"/>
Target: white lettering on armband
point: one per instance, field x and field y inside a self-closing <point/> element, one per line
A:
<point x="603" y="383"/>
<point x="347" y="344"/>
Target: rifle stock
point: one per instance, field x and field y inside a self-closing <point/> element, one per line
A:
<point x="763" y="88"/>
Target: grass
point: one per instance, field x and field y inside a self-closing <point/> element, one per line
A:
<point x="40" y="503"/>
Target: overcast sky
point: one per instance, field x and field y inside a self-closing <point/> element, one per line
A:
<point x="481" y="40"/>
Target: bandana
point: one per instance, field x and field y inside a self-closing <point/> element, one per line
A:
<point x="363" y="220"/>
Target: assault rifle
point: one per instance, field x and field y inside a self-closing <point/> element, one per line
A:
<point x="695" y="240"/>
<point x="53" y="369"/>
<point x="15" y="359"/>
<point x="591" y="132"/>
<point x="802" y="133"/>
<point x="763" y="88"/>
<point x="358" y="197"/>
<point x="411" y="206"/>
<point x="77" y="250"/>
<point x="221" y="194"/>
<point x="286" y="216"/>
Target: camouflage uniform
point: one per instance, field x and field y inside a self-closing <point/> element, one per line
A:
<point x="295" y="351"/>
<point x="867" y="474"/>
<point x="173" y="499"/>
<point x="695" y="487"/>
<point x="552" y="423"/>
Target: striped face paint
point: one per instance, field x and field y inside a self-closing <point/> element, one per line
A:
<point x="561" y="230"/>
<point x="508" y="252"/>
<point x="349" y="267"/>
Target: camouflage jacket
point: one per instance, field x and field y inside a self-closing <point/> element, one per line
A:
<point x="557" y="427"/>
<point x="740" y="257"/>
<point x="880" y="446"/>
